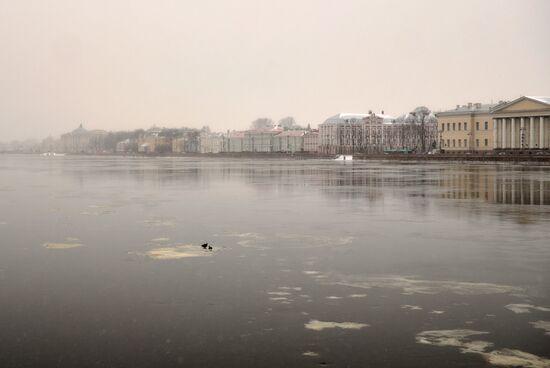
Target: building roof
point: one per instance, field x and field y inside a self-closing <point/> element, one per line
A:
<point x="292" y="133"/>
<point x="470" y="108"/>
<point x="543" y="99"/>
<point x="345" y="117"/>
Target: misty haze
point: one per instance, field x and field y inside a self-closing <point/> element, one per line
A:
<point x="275" y="184"/>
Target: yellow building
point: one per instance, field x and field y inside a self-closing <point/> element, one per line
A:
<point x="522" y="124"/>
<point x="466" y="128"/>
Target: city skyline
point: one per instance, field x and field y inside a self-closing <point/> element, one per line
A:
<point x="127" y="65"/>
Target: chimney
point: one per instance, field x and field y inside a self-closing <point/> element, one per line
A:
<point x="469" y="105"/>
<point x="382" y="112"/>
<point x="457" y="107"/>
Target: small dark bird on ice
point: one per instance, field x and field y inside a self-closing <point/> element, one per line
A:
<point x="209" y="247"/>
<point x="204" y="246"/>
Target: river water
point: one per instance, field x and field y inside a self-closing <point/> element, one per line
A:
<point x="313" y="263"/>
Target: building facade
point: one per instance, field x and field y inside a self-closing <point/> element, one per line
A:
<point x="466" y="128"/>
<point x="311" y="141"/>
<point x="289" y="141"/>
<point x="522" y="124"/>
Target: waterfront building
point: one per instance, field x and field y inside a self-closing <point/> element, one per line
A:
<point x="311" y="141"/>
<point x="186" y="142"/>
<point x="289" y="141"/>
<point x="81" y="140"/>
<point x="342" y="134"/>
<point x="235" y="142"/>
<point x="379" y="133"/>
<point x="260" y="140"/>
<point x="466" y="128"/>
<point x="212" y="143"/>
<point x="522" y="124"/>
<point x="124" y="146"/>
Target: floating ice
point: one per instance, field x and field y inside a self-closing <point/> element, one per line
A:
<point x="279" y="298"/>
<point x="461" y="339"/>
<point x="525" y="308"/>
<point x="278" y="293"/>
<point x="334" y="297"/>
<point x="177" y="252"/>
<point x="310" y="354"/>
<point x="296" y="288"/>
<point x="311" y="272"/>
<point x="357" y="295"/>
<point x="51" y="245"/>
<point x="437" y="312"/>
<point x="321" y="325"/>
<point x="410" y="285"/>
<point x="411" y="307"/>
<point x="543" y="325"/>
<point x="160" y="240"/>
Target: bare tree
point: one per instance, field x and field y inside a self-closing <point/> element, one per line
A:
<point x="288" y="123"/>
<point x="261" y="123"/>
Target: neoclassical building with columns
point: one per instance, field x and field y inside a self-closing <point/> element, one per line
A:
<point x="522" y="124"/>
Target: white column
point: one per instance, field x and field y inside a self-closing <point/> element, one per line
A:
<point x="522" y="133"/>
<point x="541" y="132"/>
<point x="495" y="133"/>
<point x="503" y="143"/>
<point x="532" y="132"/>
<point x="512" y="133"/>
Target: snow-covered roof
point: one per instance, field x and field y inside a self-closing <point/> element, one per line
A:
<point x="543" y="99"/>
<point x="292" y="133"/>
<point x="477" y="108"/>
<point x="346" y="117"/>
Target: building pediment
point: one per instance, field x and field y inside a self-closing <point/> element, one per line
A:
<point x="524" y="104"/>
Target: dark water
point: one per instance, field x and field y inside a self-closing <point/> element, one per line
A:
<point x="460" y="251"/>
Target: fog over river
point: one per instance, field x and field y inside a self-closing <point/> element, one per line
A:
<point x="313" y="263"/>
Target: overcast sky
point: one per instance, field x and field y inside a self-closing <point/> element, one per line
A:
<point x="130" y="64"/>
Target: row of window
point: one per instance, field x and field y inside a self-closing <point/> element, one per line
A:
<point x="459" y="141"/>
<point x="454" y="125"/>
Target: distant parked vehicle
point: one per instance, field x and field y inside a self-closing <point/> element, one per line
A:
<point x="344" y="158"/>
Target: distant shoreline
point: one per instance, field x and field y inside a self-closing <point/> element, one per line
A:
<point x="516" y="158"/>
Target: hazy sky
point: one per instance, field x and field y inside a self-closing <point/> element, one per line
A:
<point x="131" y="63"/>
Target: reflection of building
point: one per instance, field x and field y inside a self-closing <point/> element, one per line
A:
<point x="489" y="185"/>
<point x="522" y="124"/>
<point x="465" y="128"/>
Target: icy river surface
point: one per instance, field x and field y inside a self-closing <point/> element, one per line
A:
<point x="314" y="263"/>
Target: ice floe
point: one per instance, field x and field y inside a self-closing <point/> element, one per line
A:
<point x="525" y="308"/>
<point x="411" y="307"/>
<point x="53" y="245"/>
<point x="411" y="285"/>
<point x="333" y="297"/>
<point x="178" y="252"/>
<point x="160" y="240"/>
<point x="310" y="272"/>
<point x="295" y="288"/>
<point x="462" y="339"/>
<point x="310" y="354"/>
<point x="357" y="296"/>
<point x="543" y="325"/>
<point x="278" y="293"/>
<point x="437" y="312"/>
<point x="321" y="325"/>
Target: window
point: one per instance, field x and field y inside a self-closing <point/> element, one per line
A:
<point x="454" y="126"/>
<point x="459" y="126"/>
<point x="477" y="125"/>
<point x="448" y="143"/>
<point x="448" y="126"/>
<point x="454" y="142"/>
<point x="465" y="126"/>
<point x="465" y="144"/>
<point x="486" y="141"/>
<point x="443" y="127"/>
<point x="477" y="142"/>
<point x="486" y="125"/>
<point x="459" y="143"/>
